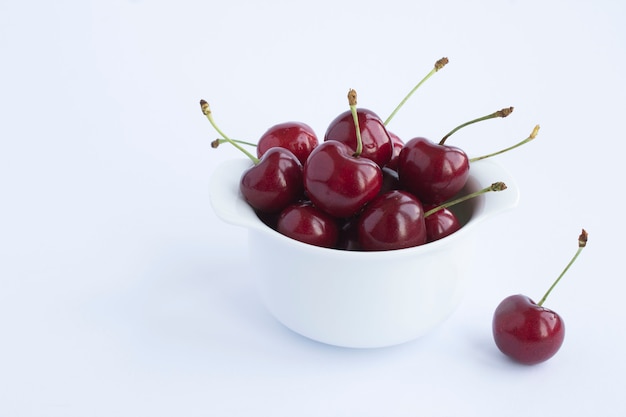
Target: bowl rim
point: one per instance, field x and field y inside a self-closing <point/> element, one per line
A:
<point x="225" y="184"/>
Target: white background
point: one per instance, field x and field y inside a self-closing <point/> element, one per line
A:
<point x="122" y="294"/>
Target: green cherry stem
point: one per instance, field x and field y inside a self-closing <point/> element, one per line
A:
<point x="496" y="186"/>
<point x="217" y="142"/>
<point x="438" y="65"/>
<point x="500" y="113"/>
<point x="355" y="117"/>
<point x="206" y="110"/>
<point x="532" y="136"/>
<point x="582" y="242"/>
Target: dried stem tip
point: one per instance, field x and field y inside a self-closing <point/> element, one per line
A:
<point x="504" y="112"/>
<point x="498" y="186"/>
<point x="352" y="97"/>
<point x="582" y="239"/>
<point x="206" y="110"/>
<point x="215" y="143"/>
<point x="441" y="63"/>
<point x="535" y="132"/>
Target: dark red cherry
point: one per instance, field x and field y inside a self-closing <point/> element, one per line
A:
<point x="298" y="137"/>
<point x="394" y="220"/>
<point x="377" y="144"/>
<point x="440" y="224"/>
<point x="433" y="172"/>
<point x="398" y="144"/>
<point x="306" y="223"/>
<point x="339" y="183"/>
<point x="527" y="332"/>
<point x="274" y="182"/>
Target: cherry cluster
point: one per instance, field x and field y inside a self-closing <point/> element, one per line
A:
<point x="361" y="187"/>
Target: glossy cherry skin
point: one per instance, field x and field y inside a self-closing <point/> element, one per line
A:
<point x="306" y="223"/>
<point x="339" y="183"/>
<point x="377" y="144"/>
<point x="433" y="172"/>
<point x="274" y="182"/>
<point x="440" y="224"/>
<point x="526" y="332"/>
<point x="397" y="144"/>
<point x="394" y="220"/>
<point x="297" y="137"/>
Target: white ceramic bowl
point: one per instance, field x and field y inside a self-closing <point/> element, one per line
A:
<point x="361" y="299"/>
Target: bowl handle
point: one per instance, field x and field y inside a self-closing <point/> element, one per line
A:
<point x="224" y="195"/>
<point x="486" y="172"/>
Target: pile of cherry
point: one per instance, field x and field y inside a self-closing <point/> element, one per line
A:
<point x="334" y="195"/>
<point x="363" y="188"/>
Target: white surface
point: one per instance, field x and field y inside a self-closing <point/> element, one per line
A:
<point x="122" y="294"/>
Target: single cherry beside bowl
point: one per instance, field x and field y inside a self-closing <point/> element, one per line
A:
<point x="528" y="332"/>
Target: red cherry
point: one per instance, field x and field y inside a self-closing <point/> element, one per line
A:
<point x="377" y="144"/>
<point x="436" y="172"/>
<point x="526" y="331"/>
<point x="433" y="172"/>
<point x="339" y="183"/>
<point x="298" y="137"/>
<point x="397" y="145"/>
<point x="394" y="220"/>
<point x="274" y="182"/>
<point x="308" y="224"/>
<point x="440" y="224"/>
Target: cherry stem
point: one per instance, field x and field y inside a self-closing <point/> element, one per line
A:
<point x="355" y="117"/>
<point x="582" y="242"/>
<point x="532" y="136"/>
<point x="438" y="65"/>
<point x="206" y="110"/>
<point x="217" y="142"/>
<point x="500" y="113"/>
<point x="496" y="186"/>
